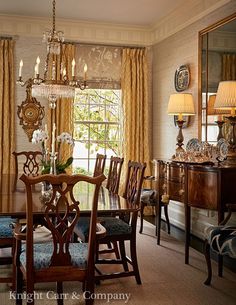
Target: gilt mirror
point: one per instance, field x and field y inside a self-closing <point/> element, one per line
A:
<point x="217" y="62"/>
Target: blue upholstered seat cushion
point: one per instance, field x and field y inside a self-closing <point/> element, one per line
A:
<point x="43" y="253"/>
<point x="113" y="226"/>
<point x="148" y="196"/>
<point x="6" y="227"/>
<point x="222" y="239"/>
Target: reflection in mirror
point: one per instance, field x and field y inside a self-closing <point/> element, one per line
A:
<point x="217" y="50"/>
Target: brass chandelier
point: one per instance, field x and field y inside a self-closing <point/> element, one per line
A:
<point x="49" y="86"/>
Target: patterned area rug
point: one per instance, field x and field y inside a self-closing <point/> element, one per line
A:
<point x="166" y="280"/>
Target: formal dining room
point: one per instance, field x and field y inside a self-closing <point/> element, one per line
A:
<point x="118" y="152"/>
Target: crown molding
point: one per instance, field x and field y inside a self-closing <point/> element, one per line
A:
<point x="183" y="16"/>
<point x="106" y="33"/>
<point x="74" y="30"/>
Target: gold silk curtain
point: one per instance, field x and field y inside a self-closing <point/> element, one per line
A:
<point x="229" y="66"/>
<point x="136" y="106"/>
<point x="64" y="107"/>
<point x="7" y="113"/>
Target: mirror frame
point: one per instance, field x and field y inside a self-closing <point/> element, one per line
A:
<point x="200" y="45"/>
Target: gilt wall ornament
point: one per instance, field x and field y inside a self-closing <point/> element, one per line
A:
<point x="30" y="113"/>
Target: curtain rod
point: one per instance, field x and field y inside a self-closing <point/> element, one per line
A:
<point x="6" y="37"/>
<point x="104" y="45"/>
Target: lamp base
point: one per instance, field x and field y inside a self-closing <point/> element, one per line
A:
<point x="180" y="137"/>
<point x="220" y="126"/>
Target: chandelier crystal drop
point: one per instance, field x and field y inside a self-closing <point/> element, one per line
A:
<point x="50" y="86"/>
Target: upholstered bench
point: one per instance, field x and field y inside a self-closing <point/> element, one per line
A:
<point x="221" y="240"/>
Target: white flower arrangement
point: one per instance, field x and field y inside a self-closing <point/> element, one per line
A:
<point x="65" y="137"/>
<point x="41" y="136"/>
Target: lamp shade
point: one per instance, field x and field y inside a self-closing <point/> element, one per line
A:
<point x="213" y="111"/>
<point x="226" y="95"/>
<point x="181" y="103"/>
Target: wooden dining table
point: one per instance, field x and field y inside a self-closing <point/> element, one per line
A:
<point x="13" y="200"/>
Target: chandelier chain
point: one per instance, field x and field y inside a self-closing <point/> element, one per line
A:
<point x="54" y="17"/>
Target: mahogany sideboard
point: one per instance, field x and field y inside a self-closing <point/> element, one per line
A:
<point x="201" y="186"/>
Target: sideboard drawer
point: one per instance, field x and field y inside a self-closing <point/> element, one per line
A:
<point x="176" y="173"/>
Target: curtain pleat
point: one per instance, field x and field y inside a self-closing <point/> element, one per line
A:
<point x="136" y="106"/>
<point x="7" y="112"/>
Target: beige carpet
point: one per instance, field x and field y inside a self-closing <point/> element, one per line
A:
<point x="166" y="280"/>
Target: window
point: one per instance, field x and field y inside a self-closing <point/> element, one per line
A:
<point x="97" y="127"/>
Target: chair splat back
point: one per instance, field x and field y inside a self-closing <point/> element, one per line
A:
<point x="113" y="179"/>
<point x="31" y="163"/>
<point x="134" y="180"/>
<point x="99" y="165"/>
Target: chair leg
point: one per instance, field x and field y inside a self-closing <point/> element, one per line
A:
<point x="133" y="255"/>
<point x="220" y="265"/>
<point x="141" y="217"/>
<point x="60" y="293"/>
<point x="109" y="246"/>
<point x="18" y="285"/>
<point x="158" y="223"/>
<point x="208" y="261"/>
<point x="156" y="215"/>
<point x="116" y="250"/>
<point x="29" y="292"/>
<point x="123" y="255"/>
<point x="89" y="300"/>
<point x="167" y="218"/>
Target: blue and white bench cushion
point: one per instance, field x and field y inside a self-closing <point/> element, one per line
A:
<point x="43" y="253"/>
<point x="222" y="239"/>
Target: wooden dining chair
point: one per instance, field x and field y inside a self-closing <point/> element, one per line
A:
<point x="59" y="260"/>
<point x="113" y="178"/>
<point x="120" y="228"/>
<point x="149" y="198"/>
<point x="28" y="163"/>
<point x="123" y="227"/>
<point x="113" y="183"/>
<point x="99" y="165"/>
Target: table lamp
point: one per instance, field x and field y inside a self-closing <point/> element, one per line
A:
<point x="226" y="100"/>
<point x="180" y="104"/>
<point x="220" y="113"/>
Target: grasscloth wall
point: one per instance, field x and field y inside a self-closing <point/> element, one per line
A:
<point x="178" y="49"/>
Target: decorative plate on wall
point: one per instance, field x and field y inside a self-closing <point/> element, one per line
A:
<point x="182" y="78"/>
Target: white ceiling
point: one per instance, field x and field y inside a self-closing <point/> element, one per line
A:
<point x="130" y="12"/>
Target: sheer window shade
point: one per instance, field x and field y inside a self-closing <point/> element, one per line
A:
<point x="104" y="65"/>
